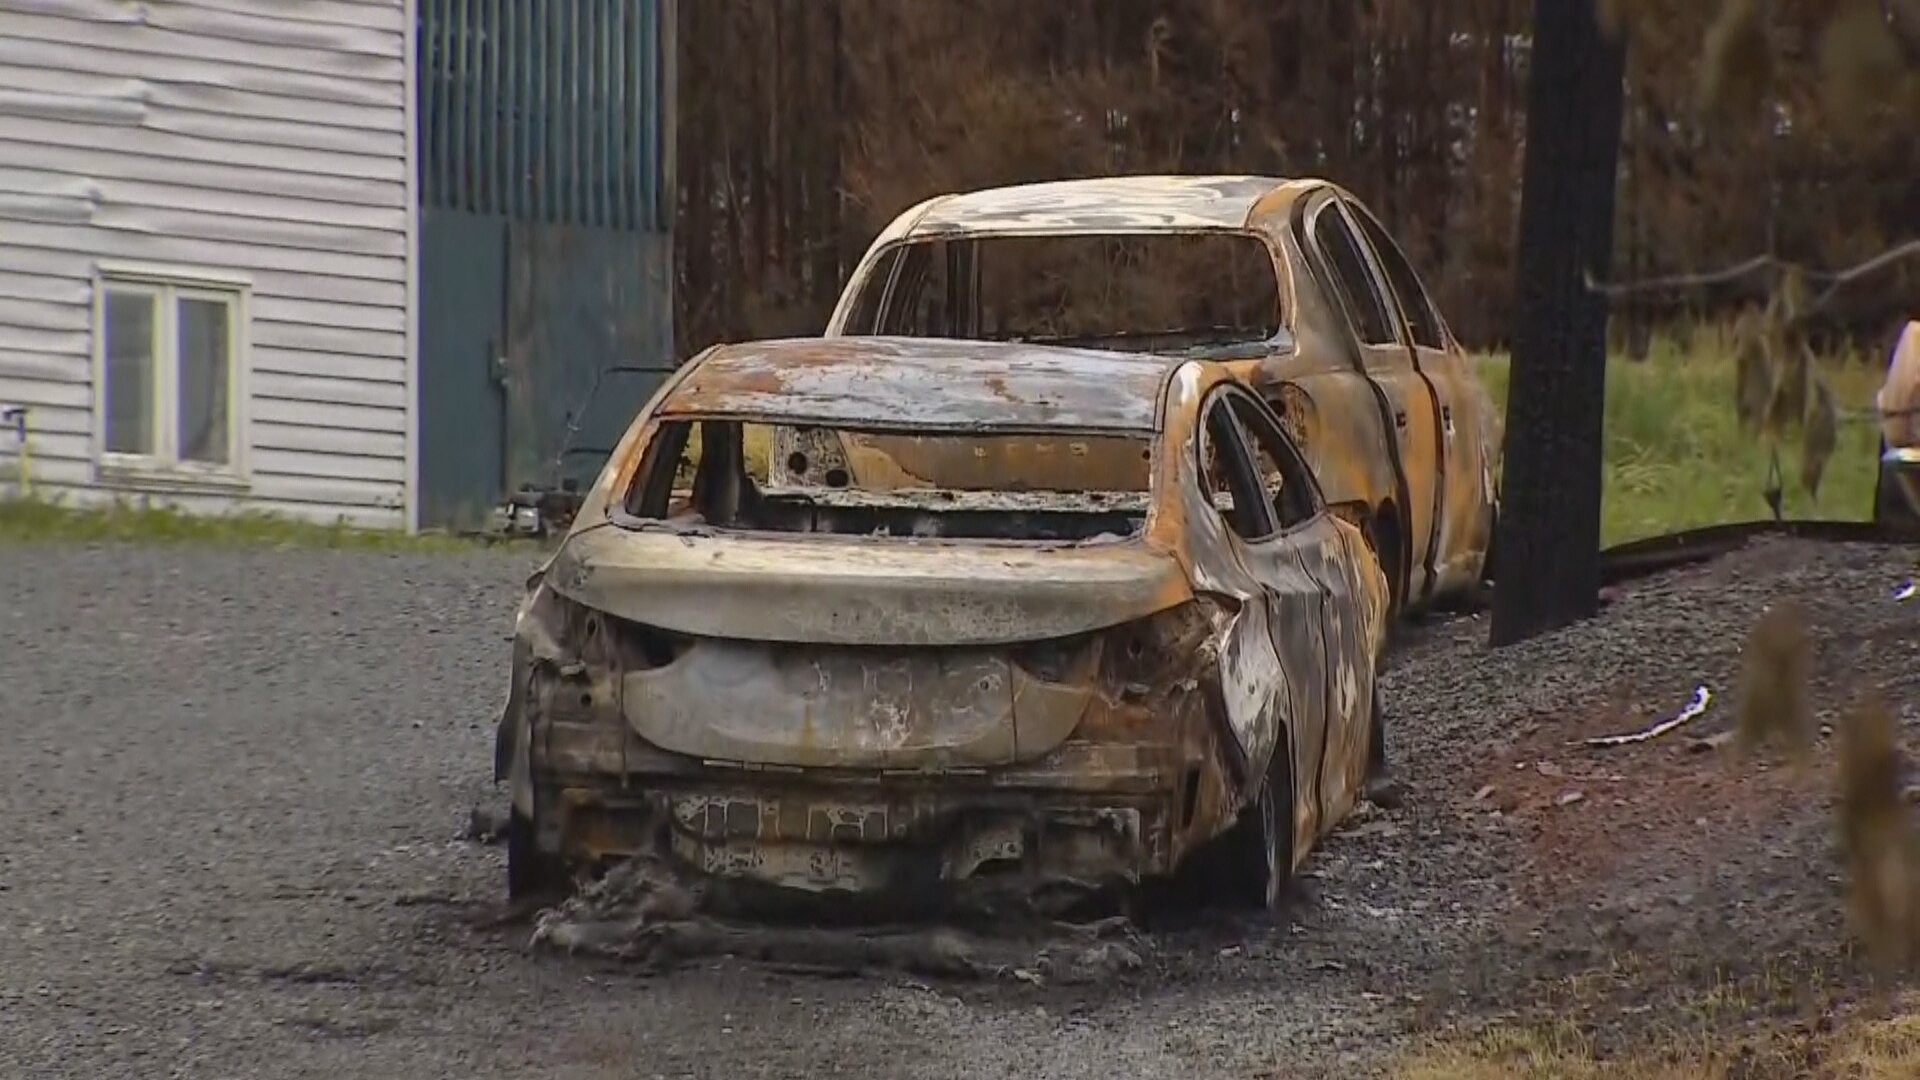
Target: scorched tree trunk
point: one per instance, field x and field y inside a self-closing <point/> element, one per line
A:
<point x="1548" y="572"/>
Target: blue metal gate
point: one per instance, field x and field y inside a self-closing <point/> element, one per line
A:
<point x="546" y="258"/>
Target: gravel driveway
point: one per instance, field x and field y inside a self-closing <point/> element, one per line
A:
<point x="235" y="783"/>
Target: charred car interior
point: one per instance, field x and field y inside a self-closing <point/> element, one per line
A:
<point x="705" y="463"/>
<point x="1029" y="682"/>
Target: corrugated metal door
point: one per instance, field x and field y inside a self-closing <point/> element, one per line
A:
<point x="463" y="290"/>
<point x="545" y="152"/>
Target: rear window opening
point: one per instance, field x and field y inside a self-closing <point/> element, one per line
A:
<point x="1055" y="487"/>
<point x="1174" y="293"/>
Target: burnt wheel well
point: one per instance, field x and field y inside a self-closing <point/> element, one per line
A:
<point x="1230" y="868"/>
<point x="1384" y="535"/>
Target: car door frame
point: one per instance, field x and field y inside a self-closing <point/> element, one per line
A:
<point x="1402" y="398"/>
<point x="1289" y="586"/>
<point x="1349" y="619"/>
<point x="1465" y="463"/>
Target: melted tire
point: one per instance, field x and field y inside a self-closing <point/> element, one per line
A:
<point x="1237" y="869"/>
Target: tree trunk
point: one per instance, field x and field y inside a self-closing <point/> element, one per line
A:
<point x="1549" y="532"/>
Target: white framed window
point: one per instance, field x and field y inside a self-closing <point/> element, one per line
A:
<point x="170" y="364"/>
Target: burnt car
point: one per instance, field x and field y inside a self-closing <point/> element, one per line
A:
<point x="1047" y="678"/>
<point x="1896" y="496"/>
<point x="1293" y="285"/>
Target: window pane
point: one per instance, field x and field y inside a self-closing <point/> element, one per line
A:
<point x="1144" y="292"/>
<point x="1406" y="283"/>
<point x="1282" y="473"/>
<point x="129" y="381"/>
<point x="1228" y="472"/>
<point x="1373" y="324"/>
<point x="204" y="367"/>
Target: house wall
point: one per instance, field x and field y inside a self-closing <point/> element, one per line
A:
<point x="257" y="141"/>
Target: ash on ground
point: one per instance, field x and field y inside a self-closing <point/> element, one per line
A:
<point x="647" y="912"/>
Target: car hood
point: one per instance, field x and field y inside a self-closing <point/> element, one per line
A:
<point x="862" y="591"/>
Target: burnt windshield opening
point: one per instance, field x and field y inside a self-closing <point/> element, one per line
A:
<point x="1046" y="487"/>
<point x="1171" y="293"/>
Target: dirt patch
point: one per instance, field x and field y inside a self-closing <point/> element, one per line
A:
<point x="1656" y="890"/>
<point x="649" y="913"/>
<point x="1583" y="811"/>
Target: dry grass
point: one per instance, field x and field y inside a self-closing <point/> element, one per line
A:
<point x="1883" y="1048"/>
<point x="1547" y="1054"/>
<point x="1886" y="1050"/>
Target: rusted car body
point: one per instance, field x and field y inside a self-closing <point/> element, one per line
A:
<point x="1357" y="360"/>
<point x="1048" y="684"/>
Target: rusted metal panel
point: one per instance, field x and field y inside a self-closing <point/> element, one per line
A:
<point x="1323" y="599"/>
<point x="1125" y="204"/>
<point x="862" y="591"/>
<point x="1254" y="677"/>
<point x="1116" y="468"/>
<point x="1352" y="630"/>
<point x="857" y="708"/>
<point x="925" y="383"/>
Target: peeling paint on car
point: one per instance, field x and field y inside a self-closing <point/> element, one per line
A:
<point x="950" y="385"/>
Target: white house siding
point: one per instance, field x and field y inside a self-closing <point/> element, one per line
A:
<point x="261" y="140"/>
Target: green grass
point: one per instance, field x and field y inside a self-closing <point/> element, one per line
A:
<point x="41" y="521"/>
<point x="1676" y="457"/>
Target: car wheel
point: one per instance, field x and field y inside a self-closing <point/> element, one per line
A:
<point x="530" y="871"/>
<point x="1251" y="863"/>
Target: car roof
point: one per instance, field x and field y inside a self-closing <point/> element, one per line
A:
<point x="1105" y="204"/>
<point x="931" y="384"/>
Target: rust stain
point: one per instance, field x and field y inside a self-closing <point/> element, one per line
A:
<point x="923" y="383"/>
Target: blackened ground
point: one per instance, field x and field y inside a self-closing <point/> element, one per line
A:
<point x="234" y="785"/>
